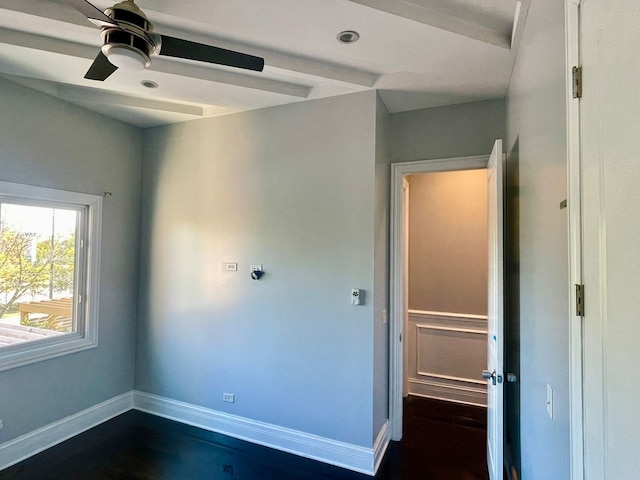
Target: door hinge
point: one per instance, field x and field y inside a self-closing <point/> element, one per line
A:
<point x="577" y="82"/>
<point x="580" y="300"/>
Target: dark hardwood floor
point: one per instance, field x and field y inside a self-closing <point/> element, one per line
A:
<point x="442" y="441"/>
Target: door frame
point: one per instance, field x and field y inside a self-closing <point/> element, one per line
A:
<point x="397" y="270"/>
<point x="574" y="201"/>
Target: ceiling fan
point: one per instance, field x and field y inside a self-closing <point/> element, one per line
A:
<point x="129" y="42"/>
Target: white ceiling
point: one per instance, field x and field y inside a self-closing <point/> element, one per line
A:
<point x="416" y="53"/>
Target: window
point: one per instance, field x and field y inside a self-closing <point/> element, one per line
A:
<point x="49" y="258"/>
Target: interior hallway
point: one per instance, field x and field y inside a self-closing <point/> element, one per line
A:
<point x="442" y="441"/>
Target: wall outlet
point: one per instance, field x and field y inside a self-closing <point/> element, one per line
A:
<point x="384" y="316"/>
<point x="550" y="401"/>
<point x="256" y="267"/>
<point x="1" y="424"/>
<point x="229" y="397"/>
<point x="231" y="267"/>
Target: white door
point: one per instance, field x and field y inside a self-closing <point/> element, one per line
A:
<point x="495" y="313"/>
<point x="610" y="147"/>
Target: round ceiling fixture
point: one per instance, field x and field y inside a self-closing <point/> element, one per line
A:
<point x="149" y="84"/>
<point x="126" y="57"/>
<point x="348" y="36"/>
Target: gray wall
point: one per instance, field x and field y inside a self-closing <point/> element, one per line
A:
<point x="50" y="143"/>
<point x="381" y="270"/>
<point x="294" y="188"/>
<point x="451" y="131"/>
<point x="448" y="242"/>
<point x="538" y="263"/>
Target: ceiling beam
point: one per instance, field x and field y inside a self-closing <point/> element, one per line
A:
<point x="93" y="95"/>
<point x="256" y="82"/>
<point x="46" y="44"/>
<point x="86" y="95"/>
<point x="438" y="19"/>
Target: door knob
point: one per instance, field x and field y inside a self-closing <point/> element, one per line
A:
<point x="495" y="378"/>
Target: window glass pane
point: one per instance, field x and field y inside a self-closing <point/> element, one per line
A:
<point x="37" y="272"/>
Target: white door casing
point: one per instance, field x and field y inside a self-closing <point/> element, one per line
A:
<point x="574" y="198"/>
<point x="405" y="265"/>
<point x="495" y="315"/>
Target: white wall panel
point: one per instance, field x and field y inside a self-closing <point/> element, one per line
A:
<point x="447" y="353"/>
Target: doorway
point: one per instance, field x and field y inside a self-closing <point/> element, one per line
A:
<point x="432" y="328"/>
<point x="445" y="287"/>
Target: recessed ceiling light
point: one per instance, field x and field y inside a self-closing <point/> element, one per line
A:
<point x="149" y="84"/>
<point x="348" y="36"/>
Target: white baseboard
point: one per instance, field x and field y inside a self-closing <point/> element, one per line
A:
<point x="346" y="455"/>
<point x="353" y="457"/>
<point x="463" y="392"/>
<point x="380" y="445"/>
<point x="27" y="445"/>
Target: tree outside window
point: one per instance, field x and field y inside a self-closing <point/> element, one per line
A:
<point x="37" y="262"/>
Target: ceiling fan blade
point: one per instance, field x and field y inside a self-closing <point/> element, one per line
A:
<point x="100" y="69"/>
<point x="92" y="12"/>
<point x="176" y="47"/>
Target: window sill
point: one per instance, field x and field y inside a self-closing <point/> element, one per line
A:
<point x="33" y="352"/>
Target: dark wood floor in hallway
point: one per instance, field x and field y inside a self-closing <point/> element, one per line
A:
<point x="442" y="441"/>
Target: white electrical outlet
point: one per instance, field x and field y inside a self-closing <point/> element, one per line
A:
<point x="256" y="267"/>
<point x="229" y="397"/>
<point x="1" y="424"/>
<point x="384" y="316"/>
<point x="550" y="401"/>
<point x="231" y="267"/>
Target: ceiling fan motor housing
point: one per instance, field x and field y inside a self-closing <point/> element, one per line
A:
<point x="131" y="35"/>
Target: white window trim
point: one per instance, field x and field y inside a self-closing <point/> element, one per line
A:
<point x="87" y="335"/>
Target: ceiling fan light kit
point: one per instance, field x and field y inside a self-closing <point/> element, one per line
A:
<point x="126" y="58"/>
<point x="129" y="42"/>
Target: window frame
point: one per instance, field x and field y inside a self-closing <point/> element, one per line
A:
<point x="86" y="288"/>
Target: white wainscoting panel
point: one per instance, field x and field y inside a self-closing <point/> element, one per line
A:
<point x="27" y="445"/>
<point x="352" y="457"/>
<point x="447" y="353"/>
